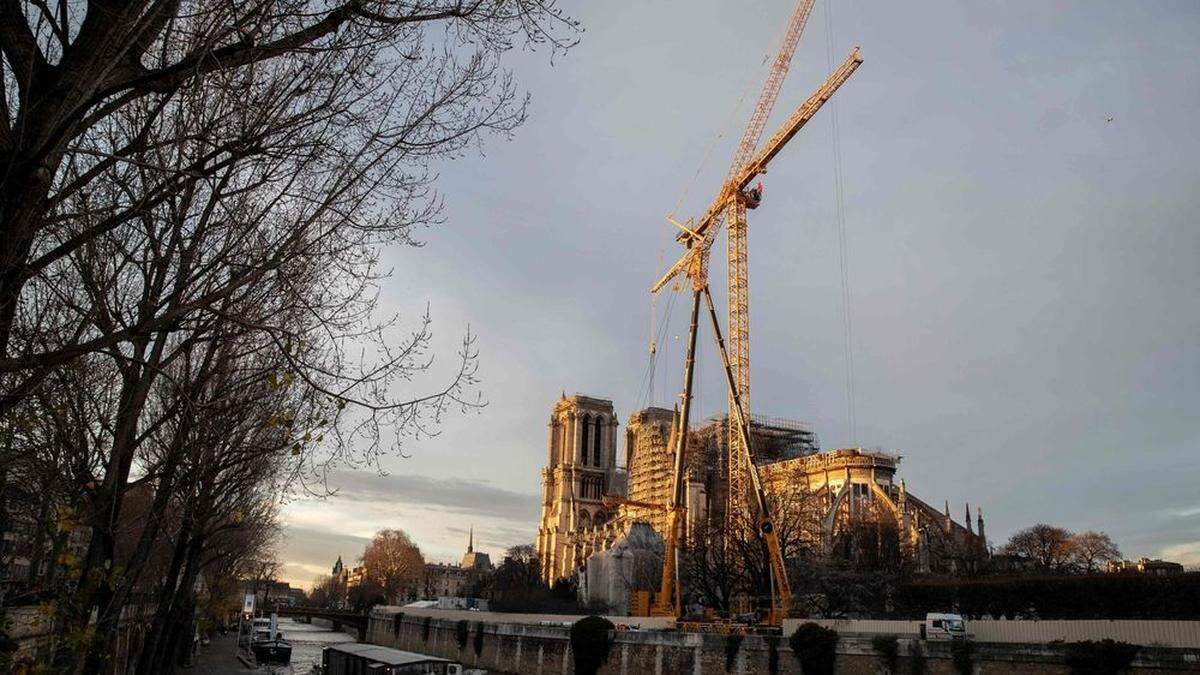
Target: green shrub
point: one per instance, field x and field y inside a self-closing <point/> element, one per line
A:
<point x="425" y="629"/>
<point x="591" y="641"/>
<point x="1106" y="657"/>
<point x="772" y="653"/>
<point x="478" y="638"/>
<point x="917" y="663"/>
<point x="461" y="630"/>
<point x="962" y="654"/>
<point x="888" y="649"/>
<point x="815" y="647"/>
<point x="733" y="644"/>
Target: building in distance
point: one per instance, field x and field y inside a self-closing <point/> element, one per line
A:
<point x="455" y="579"/>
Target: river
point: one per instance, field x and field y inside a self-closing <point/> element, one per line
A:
<point x="307" y="640"/>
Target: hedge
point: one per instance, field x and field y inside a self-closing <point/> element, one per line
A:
<point x="1104" y="596"/>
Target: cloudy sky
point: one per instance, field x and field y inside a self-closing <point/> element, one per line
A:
<point x="1023" y="274"/>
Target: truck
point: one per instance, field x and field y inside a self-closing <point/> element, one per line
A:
<point x="943" y="627"/>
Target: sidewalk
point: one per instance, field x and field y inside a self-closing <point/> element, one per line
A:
<point x="218" y="658"/>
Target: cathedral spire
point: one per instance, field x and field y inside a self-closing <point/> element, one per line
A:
<point x="967" y="522"/>
<point x="471" y="538"/>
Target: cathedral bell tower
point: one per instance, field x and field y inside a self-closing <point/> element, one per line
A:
<point x="581" y="465"/>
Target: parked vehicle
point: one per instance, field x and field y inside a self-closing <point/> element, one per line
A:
<point x="944" y="627"/>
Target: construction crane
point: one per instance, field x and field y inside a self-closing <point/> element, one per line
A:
<point x="698" y="236"/>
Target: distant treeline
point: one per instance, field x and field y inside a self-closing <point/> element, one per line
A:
<point x="1100" y="596"/>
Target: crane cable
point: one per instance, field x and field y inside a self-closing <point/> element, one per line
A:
<point x="840" y="222"/>
<point x="713" y="143"/>
<point x="647" y="394"/>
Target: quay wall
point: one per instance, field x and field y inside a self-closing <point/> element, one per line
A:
<point x="523" y="644"/>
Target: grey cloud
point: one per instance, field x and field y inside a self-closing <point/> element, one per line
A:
<point x="448" y="494"/>
<point x="308" y="546"/>
<point x="1022" y="281"/>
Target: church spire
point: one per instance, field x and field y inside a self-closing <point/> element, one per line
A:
<point x="471" y="540"/>
<point x="968" y="519"/>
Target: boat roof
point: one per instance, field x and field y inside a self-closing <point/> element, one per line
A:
<point x="385" y="655"/>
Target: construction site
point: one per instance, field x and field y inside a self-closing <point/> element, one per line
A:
<point x="728" y="503"/>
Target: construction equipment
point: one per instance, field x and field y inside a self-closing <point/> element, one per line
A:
<point x="730" y="206"/>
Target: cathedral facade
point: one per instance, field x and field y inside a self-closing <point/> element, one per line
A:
<point x="581" y="468"/>
<point x="589" y="503"/>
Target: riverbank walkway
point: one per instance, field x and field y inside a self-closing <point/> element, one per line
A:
<point x="218" y="658"/>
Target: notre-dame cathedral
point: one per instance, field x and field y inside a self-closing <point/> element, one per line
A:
<point x="590" y="501"/>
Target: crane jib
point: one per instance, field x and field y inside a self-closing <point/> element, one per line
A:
<point x="758" y="165"/>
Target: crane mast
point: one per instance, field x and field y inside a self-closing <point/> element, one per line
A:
<point x="738" y="281"/>
<point x="730" y="207"/>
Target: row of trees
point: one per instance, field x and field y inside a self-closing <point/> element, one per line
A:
<point x="393" y="568"/>
<point x="193" y="197"/>
<point x="516" y="586"/>
<point x="1054" y="549"/>
<point x="859" y="567"/>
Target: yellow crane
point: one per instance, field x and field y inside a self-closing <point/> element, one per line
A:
<point x="697" y="237"/>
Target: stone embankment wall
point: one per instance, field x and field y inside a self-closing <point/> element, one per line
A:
<point x="539" y="645"/>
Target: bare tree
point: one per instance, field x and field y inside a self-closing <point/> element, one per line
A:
<point x="1048" y="546"/>
<point x="192" y="202"/>
<point x="1090" y="550"/>
<point x="366" y="69"/>
<point x="322" y="593"/>
<point x="394" y="563"/>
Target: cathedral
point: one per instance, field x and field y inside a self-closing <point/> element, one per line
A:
<point x="590" y="502"/>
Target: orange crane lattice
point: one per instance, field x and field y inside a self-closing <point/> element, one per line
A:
<point x="730" y="205"/>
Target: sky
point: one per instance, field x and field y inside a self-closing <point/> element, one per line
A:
<point x="1022" y="273"/>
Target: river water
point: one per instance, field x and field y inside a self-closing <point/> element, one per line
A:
<point x="307" y="640"/>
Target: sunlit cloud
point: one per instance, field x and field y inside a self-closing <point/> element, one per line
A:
<point x="438" y="514"/>
<point x="1188" y="554"/>
<point x="1183" y="512"/>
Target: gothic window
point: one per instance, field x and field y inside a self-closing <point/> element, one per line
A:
<point x="554" y="443"/>
<point x="586" y="426"/>
<point x="596" y="443"/>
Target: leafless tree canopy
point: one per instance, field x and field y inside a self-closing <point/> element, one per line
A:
<point x="193" y="201"/>
<point x="394" y="563"/>
<point x="1054" y="549"/>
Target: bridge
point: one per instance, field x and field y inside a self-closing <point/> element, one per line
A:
<point x="339" y="617"/>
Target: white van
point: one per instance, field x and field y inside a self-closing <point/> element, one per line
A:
<point x="944" y="627"/>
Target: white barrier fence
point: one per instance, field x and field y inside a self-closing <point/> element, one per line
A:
<point x="1180" y="634"/>
<point x="1184" y="634"/>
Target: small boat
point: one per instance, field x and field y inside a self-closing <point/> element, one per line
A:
<point x="277" y="651"/>
<point x="268" y="645"/>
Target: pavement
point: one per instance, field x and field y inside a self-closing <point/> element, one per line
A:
<point x="219" y="658"/>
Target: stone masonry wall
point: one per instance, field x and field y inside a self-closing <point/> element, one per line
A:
<point x="524" y="649"/>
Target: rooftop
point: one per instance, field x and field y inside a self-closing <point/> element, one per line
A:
<point x="385" y="655"/>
